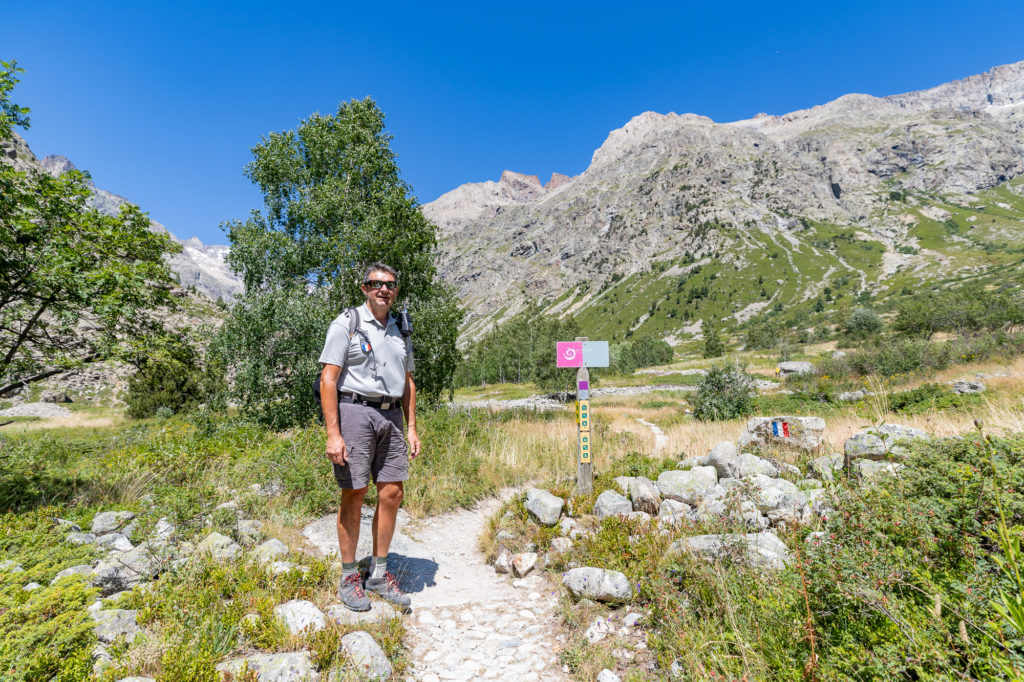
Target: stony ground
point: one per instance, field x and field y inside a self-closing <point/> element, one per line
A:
<point x="474" y="623"/>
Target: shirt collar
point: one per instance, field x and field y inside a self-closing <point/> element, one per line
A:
<point x="367" y="315"/>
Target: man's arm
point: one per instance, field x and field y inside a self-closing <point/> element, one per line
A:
<point x="336" y="450"/>
<point x="409" y="407"/>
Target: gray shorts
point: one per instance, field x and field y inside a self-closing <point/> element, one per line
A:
<point x="375" y="444"/>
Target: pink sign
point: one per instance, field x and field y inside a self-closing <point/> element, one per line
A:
<point x="570" y="353"/>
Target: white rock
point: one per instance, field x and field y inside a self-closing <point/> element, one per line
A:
<point x="805" y="433"/>
<point x="220" y="547"/>
<point x="764" y="550"/>
<point x="114" y="623"/>
<point x="366" y="656"/>
<point x="379" y="610"/>
<point x="796" y="367"/>
<point x="644" y="495"/>
<point x="561" y="545"/>
<point x="108" y="522"/>
<point x="607" y="675"/>
<point x="503" y="562"/>
<point x="299" y="614"/>
<point x="114" y="542"/>
<point x="669" y="508"/>
<point x="29" y="587"/>
<point x="275" y="667"/>
<point x="598" y="584"/>
<point x="882" y="442"/>
<point x="523" y="563"/>
<point x="566" y="525"/>
<point x="81" y="538"/>
<point x="687" y="486"/>
<point x="544" y="506"/>
<point x="269" y="551"/>
<point x="598" y="630"/>
<point x="610" y="503"/>
<point x="84" y="570"/>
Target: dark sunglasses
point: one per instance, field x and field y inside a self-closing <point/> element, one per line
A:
<point x="390" y="285"/>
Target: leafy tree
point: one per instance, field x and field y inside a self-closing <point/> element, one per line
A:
<point x="862" y="323"/>
<point x="713" y="346"/>
<point x="645" y="351"/>
<point x="77" y="284"/>
<point x="762" y="335"/>
<point x="725" y="392"/>
<point x="334" y="202"/>
<point x="174" y="382"/>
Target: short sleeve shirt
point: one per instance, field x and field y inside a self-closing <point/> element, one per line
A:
<point x="374" y="361"/>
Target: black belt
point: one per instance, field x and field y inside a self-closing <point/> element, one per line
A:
<point x="381" y="404"/>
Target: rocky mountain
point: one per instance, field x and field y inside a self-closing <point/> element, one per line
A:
<point x="679" y="218"/>
<point x="198" y="265"/>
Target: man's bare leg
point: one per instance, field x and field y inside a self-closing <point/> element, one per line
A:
<point x="348" y="523"/>
<point x="389" y="499"/>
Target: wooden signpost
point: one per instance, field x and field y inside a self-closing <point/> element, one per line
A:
<point x="583" y="354"/>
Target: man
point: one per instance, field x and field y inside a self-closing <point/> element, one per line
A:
<point x="365" y="386"/>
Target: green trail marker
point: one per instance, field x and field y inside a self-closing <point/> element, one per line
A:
<point x="583" y="354"/>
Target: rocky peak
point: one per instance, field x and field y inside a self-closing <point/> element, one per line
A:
<point x="55" y="164"/>
<point x="556" y="181"/>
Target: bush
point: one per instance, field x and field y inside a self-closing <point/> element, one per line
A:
<point x="862" y="323"/>
<point x="713" y="346"/>
<point x="725" y="392"/>
<point x="169" y="385"/>
<point x="762" y="335"/>
<point x="646" y="351"/>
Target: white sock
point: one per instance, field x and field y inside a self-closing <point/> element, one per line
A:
<point x="378" y="566"/>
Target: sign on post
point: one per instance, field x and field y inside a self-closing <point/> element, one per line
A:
<point x="583" y="354"/>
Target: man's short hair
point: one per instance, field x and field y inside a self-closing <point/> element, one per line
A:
<point x="379" y="267"/>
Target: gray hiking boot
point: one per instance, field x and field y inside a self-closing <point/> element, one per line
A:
<point x="350" y="591"/>
<point x="387" y="589"/>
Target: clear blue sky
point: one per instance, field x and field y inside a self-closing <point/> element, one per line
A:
<point x="162" y="101"/>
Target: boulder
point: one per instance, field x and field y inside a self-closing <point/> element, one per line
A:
<point x="623" y="483"/>
<point x="610" y="503"/>
<point x="799" y="367"/>
<point x="299" y="615"/>
<point x="644" y="495"/>
<point x="220" y="547"/>
<point x="966" y="387"/>
<point x="762" y="550"/>
<point x="691" y="462"/>
<point x="114" y="542"/>
<point x="523" y="563"/>
<point x="883" y="442"/>
<point x="867" y="469"/>
<point x="125" y="571"/>
<point x="722" y="456"/>
<point x="671" y="508"/>
<point x="108" y="522"/>
<point x="164" y="529"/>
<point x="687" y="486"/>
<point x="752" y="516"/>
<point x="249" y="531"/>
<point x="826" y="468"/>
<point x="114" y="623"/>
<point x="852" y="396"/>
<point x="804" y="433"/>
<point x="774" y="493"/>
<point x="271" y="550"/>
<point x="503" y="562"/>
<point x="81" y="538"/>
<point x="54" y="397"/>
<point x="369" y="660"/>
<point x="598" y="584"/>
<point x="544" y="506"/>
<point x="294" y="665"/>
<point x="82" y="570"/>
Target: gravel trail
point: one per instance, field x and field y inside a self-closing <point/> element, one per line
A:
<point x="660" y="440"/>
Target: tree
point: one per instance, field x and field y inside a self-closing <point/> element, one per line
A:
<point x="334" y="203"/>
<point x="862" y="323"/>
<point x="725" y="392"/>
<point x="76" y="284"/>
<point x="713" y="346"/>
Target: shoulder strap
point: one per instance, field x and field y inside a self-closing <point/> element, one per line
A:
<point x="353" y="320"/>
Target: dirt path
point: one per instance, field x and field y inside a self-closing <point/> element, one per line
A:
<point x="660" y="440"/>
<point x="473" y="623"/>
<point x="467" y="622"/>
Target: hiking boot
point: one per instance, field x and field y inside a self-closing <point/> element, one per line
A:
<point x="350" y="591"/>
<point x="387" y="589"/>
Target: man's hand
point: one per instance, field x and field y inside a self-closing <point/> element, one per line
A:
<point x="414" y="443"/>
<point x="337" y="452"/>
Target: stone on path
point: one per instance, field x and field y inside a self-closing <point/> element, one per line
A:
<point x="805" y="433"/>
<point x="881" y="442"/>
<point x="503" y="562"/>
<point x="220" y="547"/>
<point x="523" y="563"/>
<point x="688" y="486"/>
<point x="114" y="623"/>
<point x="275" y="667"/>
<point x="299" y="614"/>
<point x="762" y="550"/>
<point x="366" y="656"/>
<point x="544" y="506"/>
<point x="598" y="584"/>
<point x="610" y="503"/>
<point x="108" y="522"/>
<point x="607" y="675"/>
<point x="645" y="495"/>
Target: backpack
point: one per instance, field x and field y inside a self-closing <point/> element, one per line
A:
<point x="353" y="326"/>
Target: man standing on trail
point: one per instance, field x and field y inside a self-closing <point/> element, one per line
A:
<point x="365" y="386"/>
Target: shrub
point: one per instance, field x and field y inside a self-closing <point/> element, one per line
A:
<point x="762" y="335"/>
<point x="646" y="351"/>
<point x="862" y="323"/>
<point x="174" y="385"/>
<point x="725" y="392"/>
<point x="713" y="346"/>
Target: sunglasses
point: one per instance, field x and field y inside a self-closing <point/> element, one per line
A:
<point x="390" y="285"/>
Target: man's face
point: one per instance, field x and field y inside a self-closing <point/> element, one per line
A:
<point x="383" y="297"/>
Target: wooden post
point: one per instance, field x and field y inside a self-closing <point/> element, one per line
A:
<point x="585" y="473"/>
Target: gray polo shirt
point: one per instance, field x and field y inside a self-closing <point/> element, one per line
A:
<point x="373" y="362"/>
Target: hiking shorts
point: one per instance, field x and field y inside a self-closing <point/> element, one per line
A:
<point x="375" y="444"/>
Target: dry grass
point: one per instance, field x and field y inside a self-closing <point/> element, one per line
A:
<point x="77" y="420"/>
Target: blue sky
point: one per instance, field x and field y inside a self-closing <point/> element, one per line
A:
<point x="162" y="101"/>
